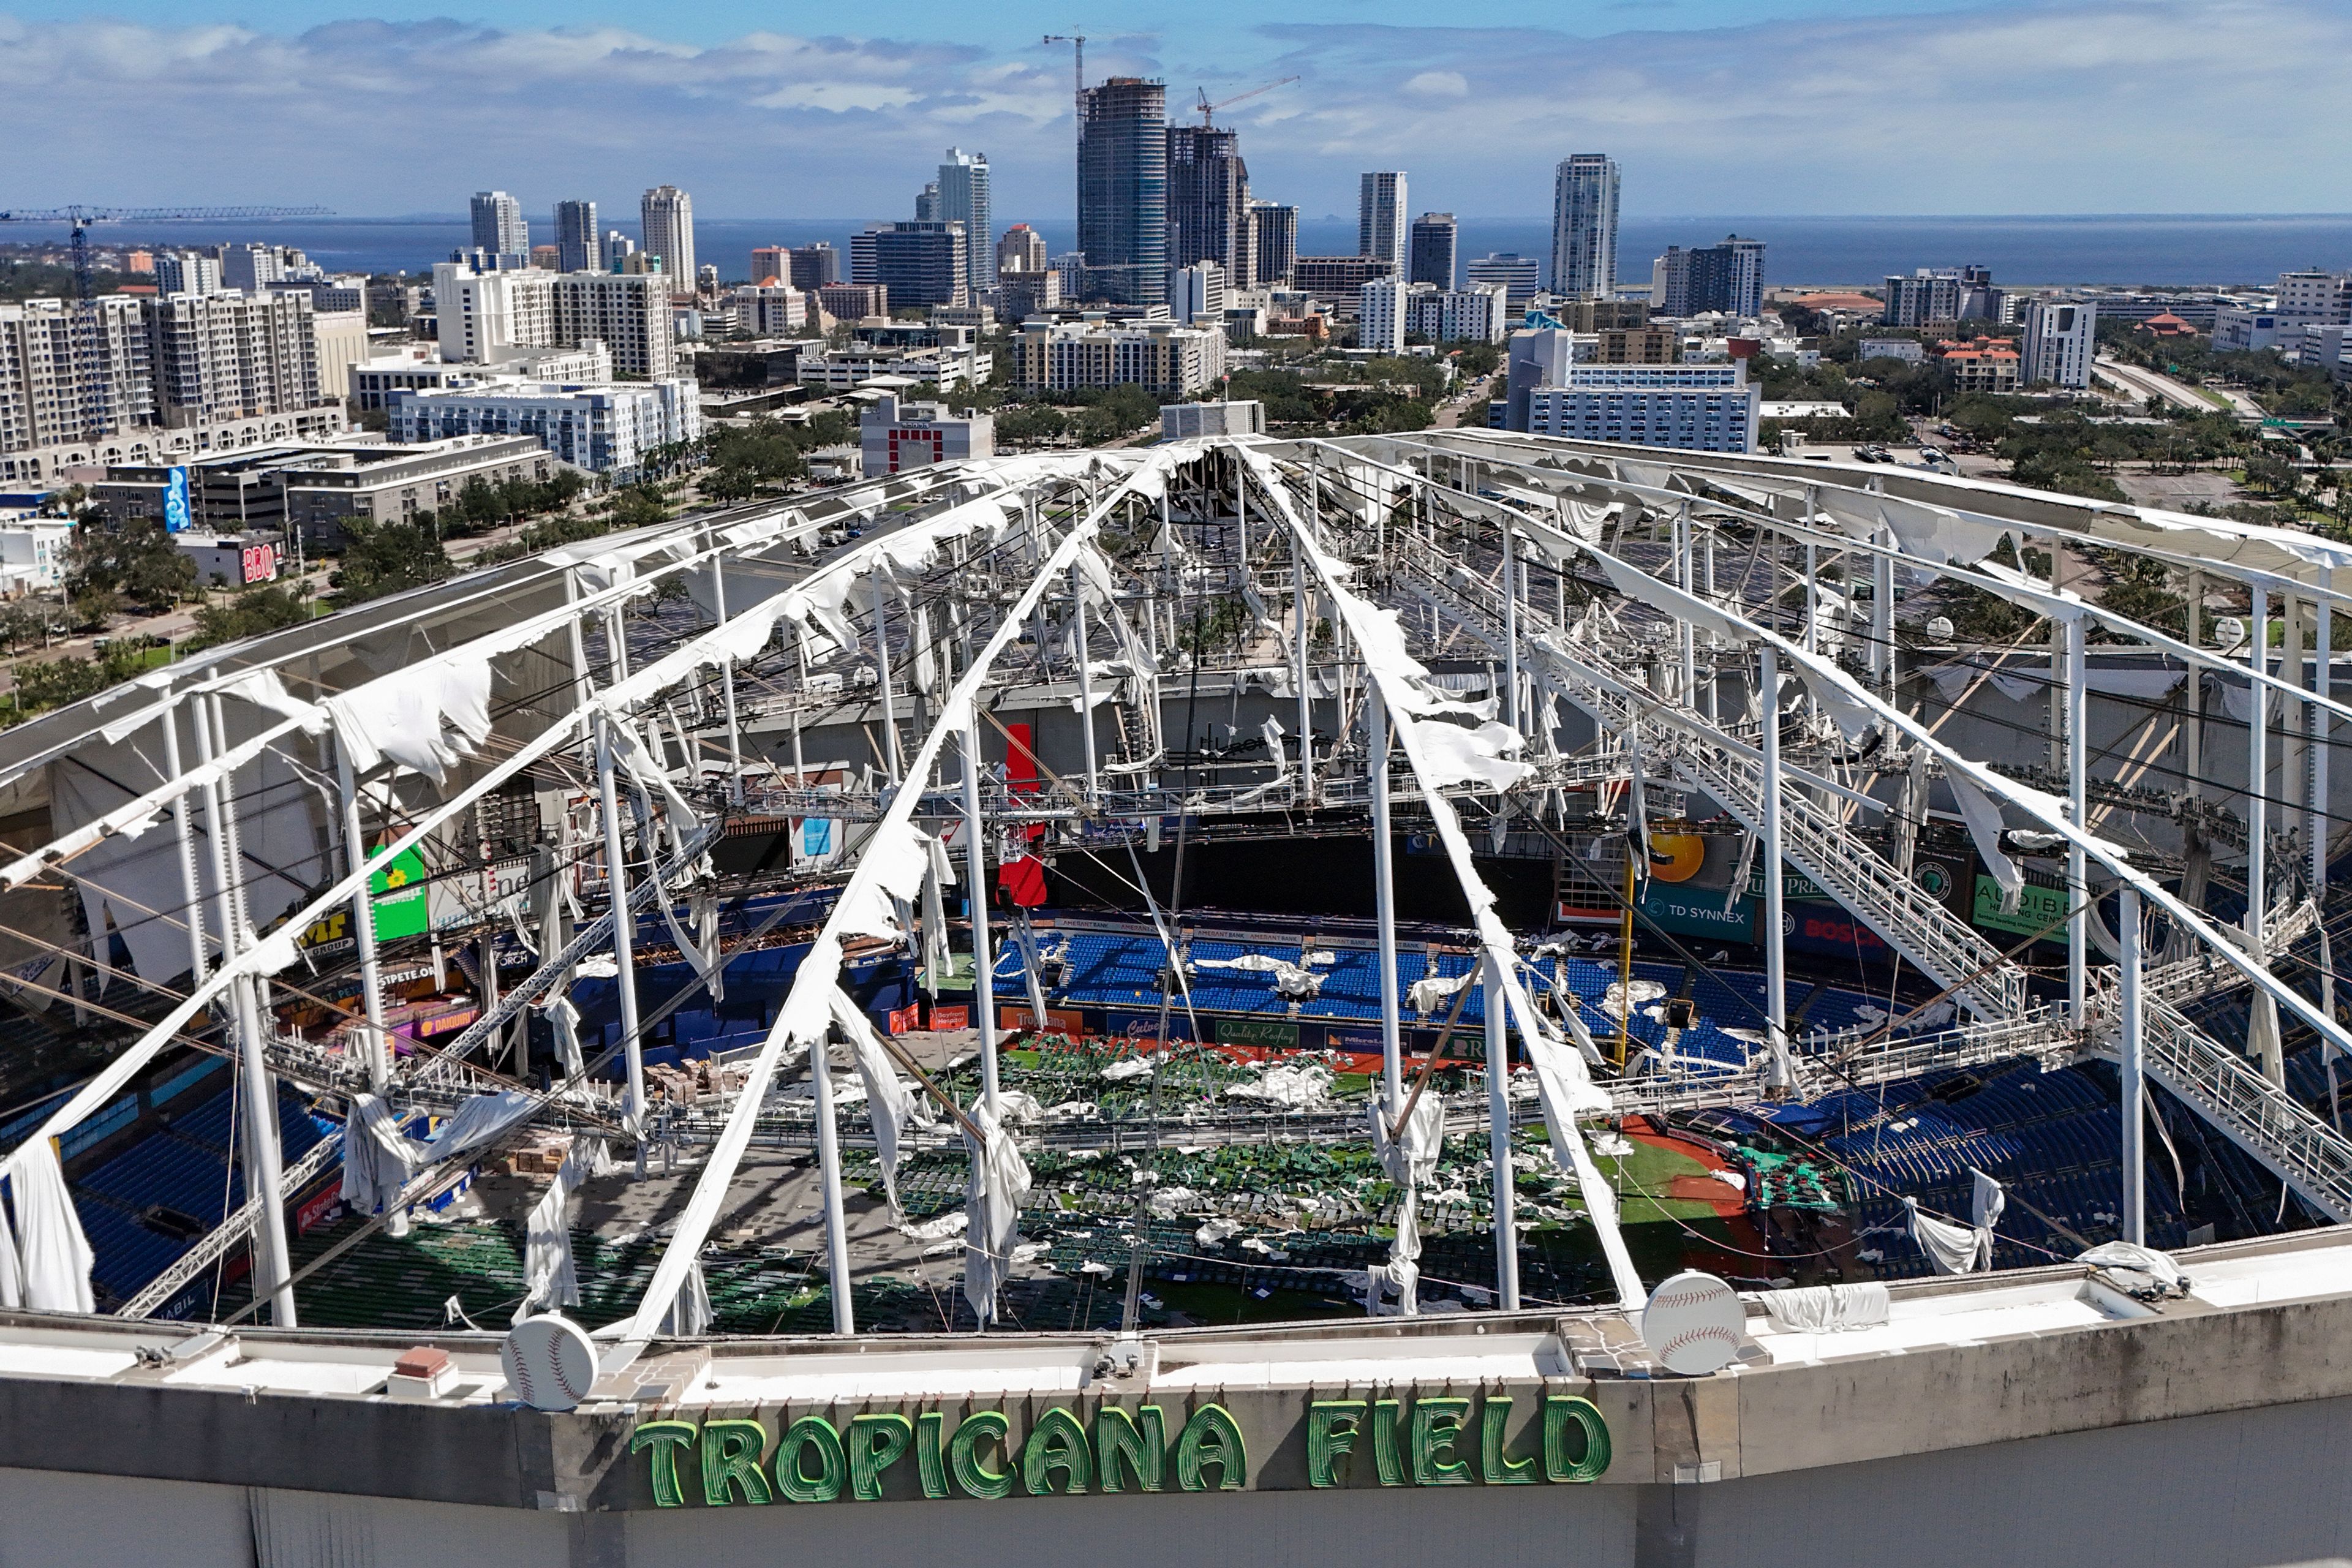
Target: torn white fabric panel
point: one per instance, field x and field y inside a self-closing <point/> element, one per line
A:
<point x="2143" y="1268"/>
<point x="1635" y="584"/>
<point x="1410" y="1157"/>
<point x="998" y="1185"/>
<point x="263" y="688"/>
<point x="1951" y="1248"/>
<point x="890" y="1102"/>
<point x="378" y="1157"/>
<point x="55" y="1254"/>
<point x="1827" y="1308"/>
<point x="1984" y="820"/>
<point x="426" y="718"/>
<point x="565" y="1017"/>
<point x="1987" y="1199"/>
<point x="476" y="1121"/>
<point x="1430" y="992"/>
<point x="550" y="1282"/>
<point x="1482" y="756"/>
<point x="897" y="853"/>
<point x="1840" y="697"/>
<point x="1931" y="533"/>
<point x="2238" y="701"/>
<point x="689" y="1314"/>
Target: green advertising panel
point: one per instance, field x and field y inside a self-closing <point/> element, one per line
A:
<point x="399" y="897"/>
<point x="1698" y="911"/>
<point x="2037" y="908"/>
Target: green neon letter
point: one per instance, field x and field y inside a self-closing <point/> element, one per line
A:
<point x="819" y="1435"/>
<point x="1211" y="1437"/>
<point x="1436" y="1423"/>
<point x="963" y="1454"/>
<point x="1494" y="1468"/>
<point x="731" y="1452"/>
<point x="874" y="1444"/>
<point x="1332" y="1425"/>
<point x="928" y="1460"/>
<point x="1056" y="1443"/>
<point x="1122" y="1443"/>
<point x="1385" y="1416"/>
<point x="1590" y="1447"/>
<point x="665" y="1438"/>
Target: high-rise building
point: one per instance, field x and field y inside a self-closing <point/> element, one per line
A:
<point x="1584" y="226"/>
<point x="249" y="266"/>
<point x="1381" y="314"/>
<point x="485" y="316"/>
<point x="2314" y="295"/>
<point x="1275" y="233"/>
<point x="1929" y="294"/>
<point x="575" y="237"/>
<point x="1123" y="189"/>
<point x="58" y="385"/>
<point x="1337" y="278"/>
<point x="1197" y="293"/>
<point x="1478" y="314"/>
<point x="1159" y="356"/>
<point x="1021" y="249"/>
<point x="2060" y="337"/>
<point x="918" y="263"/>
<point x="771" y="263"/>
<point x="963" y="199"/>
<point x="618" y="248"/>
<point x="233" y="355"/>
<point x="1699" y="407"/>
<point x="814" y="266"/>
<point x="1432" y="249"/>
<point x="1208" y="202"/>
<point x="498" y="228"/>
<point x="187" y="272"/>
<point x="1021" y="294"/>
<point x="1727" y="277"/>
<point x="1521" y="276"/>
<point x="1381" y="226"/>
<point x="668" y="214"/>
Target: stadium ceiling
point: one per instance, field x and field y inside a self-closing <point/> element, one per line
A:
<point x="1731" y="629"/>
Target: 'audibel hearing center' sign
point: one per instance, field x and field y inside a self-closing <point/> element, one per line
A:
<point x="1525" y="1436"/>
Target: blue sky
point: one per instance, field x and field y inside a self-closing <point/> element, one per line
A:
<point x="1711" y="106"/>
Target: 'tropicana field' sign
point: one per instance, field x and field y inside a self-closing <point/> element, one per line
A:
<point x="1495" y="1440"/>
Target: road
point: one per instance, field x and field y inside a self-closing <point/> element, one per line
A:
<point x="2145" y="384"/>
<point x="1449" y="414"/>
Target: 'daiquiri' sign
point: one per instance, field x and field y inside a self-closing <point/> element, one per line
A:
<point x="1517" y="1437"/>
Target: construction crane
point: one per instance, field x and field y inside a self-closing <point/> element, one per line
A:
<point x="97" y="394"/>
<point x="1077" y="65"/>
<point x="1207" y="109"/>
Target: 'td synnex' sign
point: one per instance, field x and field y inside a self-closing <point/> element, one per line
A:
<point x="1526" y="1438"/>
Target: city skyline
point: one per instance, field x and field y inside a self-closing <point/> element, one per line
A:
<point x="2059" y="109"/>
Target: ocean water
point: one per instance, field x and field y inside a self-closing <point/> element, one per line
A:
<point x="2170" y="250"/>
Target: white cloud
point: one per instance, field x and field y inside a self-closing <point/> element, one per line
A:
<point x="2036" y="106"/>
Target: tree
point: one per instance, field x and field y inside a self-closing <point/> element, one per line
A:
<point x="251" y="613"/>
<point x="2269" y="476"/>
<point x="138" y="563"/>
<point x="381" y="558"/>
<point x="639" y="506"/>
